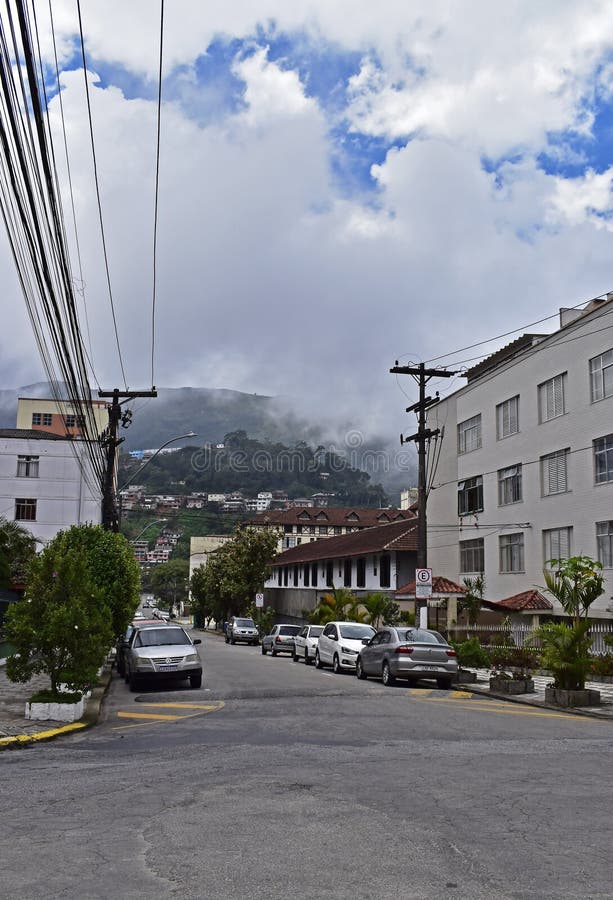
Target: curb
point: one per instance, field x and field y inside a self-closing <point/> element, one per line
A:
<point x="540" y="704"/>
<point x="88" y="719"/>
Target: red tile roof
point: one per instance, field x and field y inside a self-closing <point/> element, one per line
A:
<point x="440" y="585"/>
<point x="350" y="516"/>
<point x="400" y="535"/>
<point x="525" y="601"/>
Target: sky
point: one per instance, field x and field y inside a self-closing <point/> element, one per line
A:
<point x="342" y="185"/>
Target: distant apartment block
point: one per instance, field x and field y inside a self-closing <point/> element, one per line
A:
<point x="59" y="417"/>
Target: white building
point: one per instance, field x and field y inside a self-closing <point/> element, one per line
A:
<point x="526" y="466"/>
<point x="46" y="482"/>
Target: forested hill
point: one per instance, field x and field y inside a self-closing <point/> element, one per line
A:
<point x="250" y="465"/>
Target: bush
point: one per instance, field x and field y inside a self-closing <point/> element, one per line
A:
<point x="515" y="657"/>
<point x="471" y="653"/>
<point x="602" y="665"/>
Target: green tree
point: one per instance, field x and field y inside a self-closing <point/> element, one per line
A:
<point x="576" y="583"/>
<point x="169" y="581"/>
<point x="379" y="609"/>
<point x="336" y="605"/>
<point x="62" y="627"/>
<point x="17" y="549"/>
<point x="111" y="567"/>
<point x="471" y="602"/>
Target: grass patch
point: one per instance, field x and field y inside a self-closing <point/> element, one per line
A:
<point x="48" y="696"/>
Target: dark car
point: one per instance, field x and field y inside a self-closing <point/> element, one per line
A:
<point x="409" y="653"/>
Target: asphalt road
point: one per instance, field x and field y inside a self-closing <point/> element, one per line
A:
<point x="276" y="780"/>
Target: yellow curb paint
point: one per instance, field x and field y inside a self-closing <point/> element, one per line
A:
<point x="42" y="735"/>
<point x="158" y="716"/>
<point x="208" y="706"/>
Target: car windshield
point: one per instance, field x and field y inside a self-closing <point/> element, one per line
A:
<point x="157" y="637"/>
<point x="245" y="623"/>
<point x="289" y="629"/>
<point x="356" y="632"/>
<point x="316" y="630"/>
<point x="419" y="636"/>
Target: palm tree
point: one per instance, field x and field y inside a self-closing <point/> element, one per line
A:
<point x="379" y="609"/>
<point x="335" y="606"/>
<point x="17" y="547"/>
<point x="471" y="602"/>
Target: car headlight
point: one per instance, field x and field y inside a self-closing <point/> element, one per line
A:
<point x="144" y="662"/>
<point x="348" y="650"/>
<point x="191" y="657"/>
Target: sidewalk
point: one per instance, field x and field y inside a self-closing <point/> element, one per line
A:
<point x="604" y="711"/>
<point x="16" y="730"/>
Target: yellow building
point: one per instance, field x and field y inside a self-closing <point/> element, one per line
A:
<point x="58" y="417"/>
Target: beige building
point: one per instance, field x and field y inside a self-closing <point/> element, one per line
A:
<point x="58" y="417"/>
<point x="201" y="547"/>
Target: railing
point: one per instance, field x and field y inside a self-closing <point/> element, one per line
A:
<point x="523" y="635"/>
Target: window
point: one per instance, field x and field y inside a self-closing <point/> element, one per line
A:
<point x="47" y="420"/>
<point x="469" y="434"/>
<point x="603" y="459"/>
<point x="314" y="574"/>
<point x="285" y="575"/>
<point x="604" y="542"/>
<point x="36" y="419"/>
<point x="70" y="421"/>
<point x="552" y="398"/>
<point x="470" y="496"/>
<point x="507" y="418"/>
<point x="511" y="552"/>
<point x="25" y="510"/>
<point x="601" y="376"/>
<point x="347" y="573"/>
<point x="27" y="466"/>
<point x="329" y="573"/>
<point x="472" y="556"/>
<point x="509" y="485"/>
<point x="554" y="478"/>
<point x="323" y="529"/>
<point x="306" y="571"/>
<point x="295" y="579"/>
<point x="279" y="576"/>
<point x="360" y="576"/>
<point x="80" y="423"/>
<point x="384" y="572"/>
<point x="556" y="543"/>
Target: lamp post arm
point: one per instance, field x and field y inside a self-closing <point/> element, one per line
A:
<point x="152" y="457"/>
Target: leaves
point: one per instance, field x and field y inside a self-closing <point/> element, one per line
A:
<point x="575" y="583"/>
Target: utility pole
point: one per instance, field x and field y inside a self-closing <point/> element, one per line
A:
<point x="110" y="441"/>
<point x="422" y="437"/>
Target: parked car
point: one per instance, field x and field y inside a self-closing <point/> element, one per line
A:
<point x="280" y="639"/>
<point x="340" y="643"/>
<point x="305" y="643"/>
<point x="244" y="630"/>
<point x="123" y="644"/>
<point x="410" y="653"/>
<point x="162" y="651"/>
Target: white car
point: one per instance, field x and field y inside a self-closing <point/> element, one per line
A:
<point x="340" y="643"/>
<point x="305" y="643"/>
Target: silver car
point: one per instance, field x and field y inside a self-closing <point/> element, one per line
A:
<point x="280" y="639"/>
<point x="305" y="643"/>
<point x="245" y="630"/>
<point x="160" y="652"/>
<point x="410" y="653"/>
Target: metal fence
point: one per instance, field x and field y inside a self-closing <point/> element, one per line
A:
<point x="523" y="635"/>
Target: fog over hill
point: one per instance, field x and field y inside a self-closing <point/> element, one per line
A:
<point x="213" y="413"/>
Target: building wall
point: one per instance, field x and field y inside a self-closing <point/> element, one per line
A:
<point x="580" y="507"/>
<point x="63" y="496"/>
<point x="26" y="407"/>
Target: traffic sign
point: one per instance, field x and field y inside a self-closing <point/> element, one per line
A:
<point x="259" y="600"/>
<point x="423" y="583"/>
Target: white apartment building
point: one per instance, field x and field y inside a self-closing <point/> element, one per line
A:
<point x="526" y="465"/>
<point x="46" y="483"/>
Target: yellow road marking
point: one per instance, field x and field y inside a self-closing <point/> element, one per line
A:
<point x="497" y="707"/>
<point x="135" y="715"/>
<point x="428" y="692"/>
<point x="161" y="718"/>
<point x="181" y="705"/>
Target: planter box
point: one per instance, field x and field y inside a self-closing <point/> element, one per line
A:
<point x="560" y="697"/>
<point x="55" y="712"/>
<point x="512" y="685"/>
<point x="465" y="677"/>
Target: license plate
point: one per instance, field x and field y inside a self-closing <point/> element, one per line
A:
<point x="429" y="668"/>
<point x="167" y="668"/>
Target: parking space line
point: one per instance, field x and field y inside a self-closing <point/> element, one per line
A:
<point x="136" y="715"/>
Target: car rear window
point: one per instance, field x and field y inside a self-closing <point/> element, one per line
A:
<point x="419" y="636"/>
<point x="245" y="623"/>
<point x="289" y="629"/>
<point x="316" y="630"/>
<point x="356" y="632"/>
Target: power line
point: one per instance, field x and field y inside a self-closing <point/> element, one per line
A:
<point x="100" y="217"/>
<point x="157" y="181"/>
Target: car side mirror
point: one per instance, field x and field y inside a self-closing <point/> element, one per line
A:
<point x="197" y="641"/>
<point x="366" y="641"/>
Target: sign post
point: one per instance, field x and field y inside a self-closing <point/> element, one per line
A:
<point x="423" y="591"/>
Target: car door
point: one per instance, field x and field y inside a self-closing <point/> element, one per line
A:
<point x="300" y="641"/>
<point x="368" y="654"/>
<point x="326" y="642"/>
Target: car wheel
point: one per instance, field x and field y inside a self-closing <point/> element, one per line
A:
<point x="227" y="639"/>
<point x="195" y="680"/>
<point x="264" y="650"/>
<point x="443" y="683"/>
<point x="359" y="670"/>
<point x="295" y="656"/>
<point x="386" y="676"/>
<point x="336" y="665"/>
<point x="232" y="640"/>
<point x="273" y="652"/>
<point x="307" y="659"/>
<point x="318" y="662"/>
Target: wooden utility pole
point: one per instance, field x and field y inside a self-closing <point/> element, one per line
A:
<point x="110" y="441"/>
<point x="422" y="437"/>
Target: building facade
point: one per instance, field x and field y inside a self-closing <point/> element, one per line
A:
<point x="46" y="482"/>
<point x="525" y="473"/>
<point x="59" y="417"/>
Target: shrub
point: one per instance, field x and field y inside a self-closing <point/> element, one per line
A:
<point x="471" y="653"/>
<point x="602" y="665"/>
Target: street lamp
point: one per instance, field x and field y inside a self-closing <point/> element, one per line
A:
<point x="150" y="525"/>
<point x="179" y="437"/>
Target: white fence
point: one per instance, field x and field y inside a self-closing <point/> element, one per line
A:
<point x="523" y="634"/>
